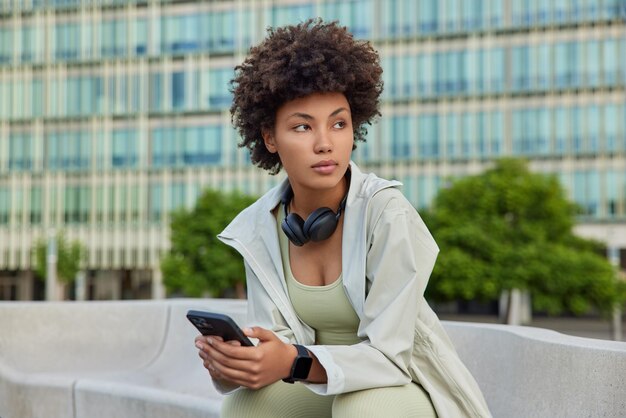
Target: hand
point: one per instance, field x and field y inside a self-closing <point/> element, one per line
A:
<point x="201" y="343"/>
<point x="252" y="367"/>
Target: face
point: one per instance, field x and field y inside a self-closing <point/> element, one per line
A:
<point x="313" y="136"/>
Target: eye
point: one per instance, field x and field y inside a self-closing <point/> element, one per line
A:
<point x="301" y="128"/>
<point x="339" y="125"/>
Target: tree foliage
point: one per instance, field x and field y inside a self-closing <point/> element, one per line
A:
<point x="509" y="228"/>
<point x="70" y="256"/>
<point x="198" y="263"/>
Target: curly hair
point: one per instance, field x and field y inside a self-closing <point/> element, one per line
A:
<point x="296" y="61"/>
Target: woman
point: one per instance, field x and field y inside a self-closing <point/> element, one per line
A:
<point x="336" y="260"/>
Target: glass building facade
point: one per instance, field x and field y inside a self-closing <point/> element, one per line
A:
<point x="114" y="113"/>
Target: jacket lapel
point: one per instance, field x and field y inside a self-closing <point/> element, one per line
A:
<point x="354" y="240"/>
<point x="253" y="234"/>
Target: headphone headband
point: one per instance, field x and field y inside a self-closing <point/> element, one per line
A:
<point x="320" y="224"/>
<point x="288" y="195"/>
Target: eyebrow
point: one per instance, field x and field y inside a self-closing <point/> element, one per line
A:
<point x="309" y="117"/>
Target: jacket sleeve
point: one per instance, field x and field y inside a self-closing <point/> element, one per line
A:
<point x="261" y="312"/>
<point x="400" y="258"/>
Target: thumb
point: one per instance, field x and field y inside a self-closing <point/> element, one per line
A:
<point x="261" y="334"/>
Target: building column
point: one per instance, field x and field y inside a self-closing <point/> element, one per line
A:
<point x="81" y="285"/>
<point x="616" y="323"/>
<point x="25" y="285"/>
<point x="115" y="285"/>
<point x="158" y="290"/>
<point x="52" y="285"/>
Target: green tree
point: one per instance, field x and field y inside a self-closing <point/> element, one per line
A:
<point x="198" y="263"/>
<point x="70" y="256"/>
<point x="508" y="228"/>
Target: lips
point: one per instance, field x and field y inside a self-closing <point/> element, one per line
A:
<point x="325" y="167"/>
<point x="324" y="163"/>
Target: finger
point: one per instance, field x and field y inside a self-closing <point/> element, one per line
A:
<point x="238" y="377"/>
<point x="205" y="340"/>
<point x="211" y="368"/>
<point x="202" y="346"/>
<point x="201" y="341"/>
<point x="261" y="334"/>
<point x="231" y="360"/>
<point x="243" y="372"/>
<point x="234" y="351"/>
<point x="215" y="374"/>
<point x="207" y="361"/>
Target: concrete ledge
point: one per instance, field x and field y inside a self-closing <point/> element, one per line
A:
<point x="137" y="359"/>
<point x="104" y="359"/>
<point x="533" y="372"/>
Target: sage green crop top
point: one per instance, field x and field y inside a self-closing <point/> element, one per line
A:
<point x="326" y="309"/>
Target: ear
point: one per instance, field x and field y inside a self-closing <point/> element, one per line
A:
<point x="268" y="139"/>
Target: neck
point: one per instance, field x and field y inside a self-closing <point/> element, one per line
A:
<point x="305" y="201"/>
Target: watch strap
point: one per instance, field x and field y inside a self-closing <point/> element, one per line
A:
<point x="301" y="363"/>
<point x="302" y="351"/>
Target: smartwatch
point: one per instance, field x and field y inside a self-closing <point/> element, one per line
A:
<point x="301" y="365"/>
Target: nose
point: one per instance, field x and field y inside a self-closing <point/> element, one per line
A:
<point x="323" y="144"/>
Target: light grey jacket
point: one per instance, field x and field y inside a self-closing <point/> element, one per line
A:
<point x="387" y="257"/>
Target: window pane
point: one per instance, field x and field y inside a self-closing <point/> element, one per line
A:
<point x="178" y="90"/>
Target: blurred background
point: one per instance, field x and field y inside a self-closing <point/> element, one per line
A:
<point x="115" y="114"/>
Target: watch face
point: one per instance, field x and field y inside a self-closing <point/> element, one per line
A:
<point x="302" y="367"/>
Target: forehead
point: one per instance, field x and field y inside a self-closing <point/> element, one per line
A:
<point x="316" y="105"/>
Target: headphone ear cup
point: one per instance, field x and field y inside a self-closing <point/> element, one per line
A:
<point x="292" y="226"/>
<point x="320" y="224"/>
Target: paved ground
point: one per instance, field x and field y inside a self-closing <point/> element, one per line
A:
<point x="581" y="327"/>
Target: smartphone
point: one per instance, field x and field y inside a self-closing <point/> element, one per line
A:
<point x="210" y="323"/>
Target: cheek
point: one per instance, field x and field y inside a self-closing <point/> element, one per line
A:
<point x="289" y="155"/>
<point x="348" y="142"/>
